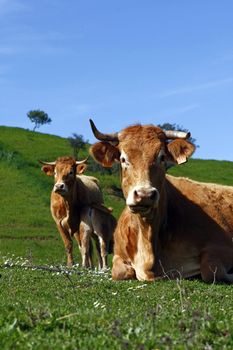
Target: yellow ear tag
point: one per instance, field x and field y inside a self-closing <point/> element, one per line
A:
<point x="181" y="159"/>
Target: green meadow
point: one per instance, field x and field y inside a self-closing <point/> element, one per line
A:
<point x="44" y="305"/>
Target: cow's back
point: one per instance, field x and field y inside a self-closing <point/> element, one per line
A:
<point x="212" y="201"/>
<point x="89" y="191"/>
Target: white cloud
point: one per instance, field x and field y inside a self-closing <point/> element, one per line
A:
<point x="81" y="108"/>
<point x="4" y="69"/>
<point x="7" y="6"/>
<point x="24" y="41"/>
<point x="228" y="57"/>
<point x="189" y="89"/>
<point x="7" y="50"/>
<point x="180" y="110"/>
<point x="18" y="38"/>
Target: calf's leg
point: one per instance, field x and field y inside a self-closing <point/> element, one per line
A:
<point x="86" y="248"/>
<point x="101" y="230"/>
<point x="97" y="244"/>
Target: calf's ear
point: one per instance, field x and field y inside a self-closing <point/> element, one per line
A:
<point x="104" y="153"/>
<point x="48" y="169"/>
<point x="180" y="150"/>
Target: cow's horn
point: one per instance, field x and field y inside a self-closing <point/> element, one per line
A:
<point x="174" y="134"/>
<point x="103" y="137"/>
<point x="47" y="163"/>
<point x="81" y="161"/>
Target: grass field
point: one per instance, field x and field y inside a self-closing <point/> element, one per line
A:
<point x="45" y="306"/>
<point x="86" y="310"/>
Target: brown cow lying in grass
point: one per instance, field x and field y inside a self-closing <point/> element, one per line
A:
<point x="77" y="209"/>
<point x="168" y="224"/>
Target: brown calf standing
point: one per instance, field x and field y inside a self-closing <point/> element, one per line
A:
<point x="77" y="209"/>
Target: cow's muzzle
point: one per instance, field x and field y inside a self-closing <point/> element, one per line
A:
<point x="143" y="200"/>
<point x="60" y="188"/>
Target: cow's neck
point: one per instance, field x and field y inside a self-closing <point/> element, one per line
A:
<point x="71" y="202"/>
<point x="148" y="242"/>
<point x="152" y="224"/>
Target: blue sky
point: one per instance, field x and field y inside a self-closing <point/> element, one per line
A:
<point x="120" y="62"/>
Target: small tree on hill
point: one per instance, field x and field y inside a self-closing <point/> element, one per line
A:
<point x="39" y="118"/>
<point x="168" y="126"/>
<point x="77" y="143"/>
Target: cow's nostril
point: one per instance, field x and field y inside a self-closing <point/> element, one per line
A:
<point x="145" y="195"/>
<point x="153" y="194"/>
<point x="59" y="186"/>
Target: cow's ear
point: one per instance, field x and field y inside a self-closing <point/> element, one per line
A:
<point x="104" y="153"/>
<point x="180" y="150"/>
<point x="81" y="168"/>
<point x="48" y="169"/>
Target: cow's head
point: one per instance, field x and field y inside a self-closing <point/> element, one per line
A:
<point x="64" y="170"/>
<point x="144" y="153"/>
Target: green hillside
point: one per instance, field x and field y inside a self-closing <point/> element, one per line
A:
<point x="84" y="309"/>
<point x="26" y="225"/>
<point x="214" y="171"/>
<point x="25" y="219"/>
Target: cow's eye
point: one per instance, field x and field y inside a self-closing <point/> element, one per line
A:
<point x="71" y="172"/>
<point x="124" y="160"/>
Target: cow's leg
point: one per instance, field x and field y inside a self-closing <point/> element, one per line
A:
<point x="67" y="240"/>
<point x="122" y="270"/>
<point x="144" y="273"/>
<point x="215" y="264"/>
<point x="143" y="261"/>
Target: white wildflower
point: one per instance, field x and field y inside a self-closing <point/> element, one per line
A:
<point x="96" y="304"/>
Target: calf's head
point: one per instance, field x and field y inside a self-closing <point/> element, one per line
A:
<point x="64" y="170"/>
<point x="144" y="154"/>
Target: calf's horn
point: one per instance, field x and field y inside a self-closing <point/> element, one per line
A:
<point x="174" y="134"/>
<point x="103" y="137"/>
